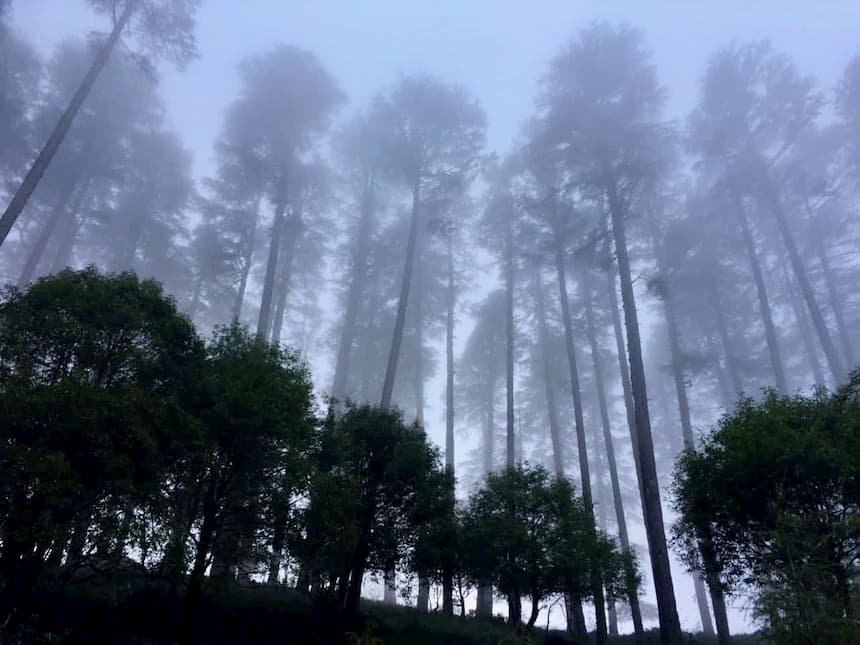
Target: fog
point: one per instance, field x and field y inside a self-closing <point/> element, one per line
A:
<point x="397" y="190"/>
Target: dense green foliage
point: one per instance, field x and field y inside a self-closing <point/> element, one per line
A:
<point x="135" y="453"/>
<point x="774" y="494"/>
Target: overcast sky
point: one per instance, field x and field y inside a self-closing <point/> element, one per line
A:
<point x="498" y="49"/>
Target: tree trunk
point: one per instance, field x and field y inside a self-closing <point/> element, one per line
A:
<point x="805" y="332"/>
<point x="294" y="231"/>
<point x="575" y="616"/>
<point x="836" y="304"/>
<point x="712" y="577"/>
<point x="535" y="609"/>
<point x="818" y="323"/>
<point x="509" y="343"/>
<point x="484" y="606"/>
<point x="400" y="321"/>
<point x="423" y="603"/>
<point x="684" y="413"/>
<point x="47" y="154"/>
<point x="764" y="304"/>
<point x="549" y="385"/>
<point x="356" y="291"/>
<point x="57" y="213"/>
<point x="248" y="239"/>
<point x="449" y="360"/>
<point x="624" y="371"/>
<point x="581" y="442"/>
<point x="272" y="262"/>
<point x="670" y="628"/>
<point x="618" y="501"/>
<point x="389" y="596"/>
<point x="725" y="340"/>
<point x="515" y="609"/>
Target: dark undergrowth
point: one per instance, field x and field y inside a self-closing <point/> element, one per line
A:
<point x="259" y="615"/>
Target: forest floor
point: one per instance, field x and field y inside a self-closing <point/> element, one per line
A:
<point x="260" y="615"/>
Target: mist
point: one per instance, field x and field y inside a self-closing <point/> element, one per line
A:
<point x="573" y="235"/>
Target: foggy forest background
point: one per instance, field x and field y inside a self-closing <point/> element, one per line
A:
<point x="310" y="215"/>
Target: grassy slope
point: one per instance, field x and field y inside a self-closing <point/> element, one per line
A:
<point x="260" y="615"/>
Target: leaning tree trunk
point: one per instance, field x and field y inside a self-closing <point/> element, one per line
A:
<point x="835" y="304"/>
<point x="764" y="304"/>
<point x="670" y="627"/>
<point x="509" y="342"/>
<point x="549" y="384"/>
<point x="272" y="262"/>
<point x="805" y="332"/>
<point x="57" y="213"/>
<point x="618" y="501"/>
<point x="358" y="278"/>
<point x="833" y="359"/>
<point x="581" y="442"/>
<point x="725" y="339"/>
<point x="400" y="321"/>
<point x="684" y="412"/>
<point x="47" y="154"/>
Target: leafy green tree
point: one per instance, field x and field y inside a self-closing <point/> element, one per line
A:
<point x="258" y="424"/>
<point x="95" y="374"/>
<point x="367" y="498"/>
<point x="773" y="494"/>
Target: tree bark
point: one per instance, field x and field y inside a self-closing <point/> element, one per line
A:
<point x="423" y="603"/>
<point x="797" y="265"/>
<point x="764" y="304"/>
<point x="684" y="413"/>
<point x="835" y="304"/>
<point x="618" y="501"/>
<point x="670" y="628"/>
<point x="47" y="154"/>
<point x="549" y="385"/>
<point x="272" y="262"/>
<point x="294" y="230"/>
<point x="356" y="291"/>
<point x="581" y="442"/>
<point x="449" y="360"/>
<point x="509" y="342"/>
<point x="57" y="213"/>
<point x="400" y="321"/>
<point x="805" y="333"/>
<point x="248" y="239"/>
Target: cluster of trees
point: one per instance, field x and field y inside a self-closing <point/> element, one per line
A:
<point x="131" y="447"/>
<point x="734" y="230"/>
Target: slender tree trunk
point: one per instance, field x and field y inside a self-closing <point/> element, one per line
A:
<point x="684" y="412"/>
<point x="836" y="304"/>
<point x="725" y="340"/>
<point x="57" y="213"/>
<point x="294" y="231"/>
<point x="797" y="265"/>
<point x="764" y="304"/>
<point x="718" y="600"/>
<point x="194" y="305"/>
<point x="68" y="237"/>
<point x="670" y="628"/>
<point x="581" y="442"/>
<point x="549" y="385"/>
<point x="389" y="596"/>
<point x="484" y="607"/>
<point x="358" y="279"/>
<point x="47" y="154"/>
<point x="609" y="446"/>
<point x="805" y="332"/>
<point x="272" y="262"/>
<point x="249" y="238"/>
<point x="449" y="360"/>
<point x="509" y="342"/>
<point x="369" y="344"/>
<point x="624" y="371"/>
<point x="400" y="321"/>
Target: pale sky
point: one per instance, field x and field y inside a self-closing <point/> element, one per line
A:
<point x="498" y="49"/>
